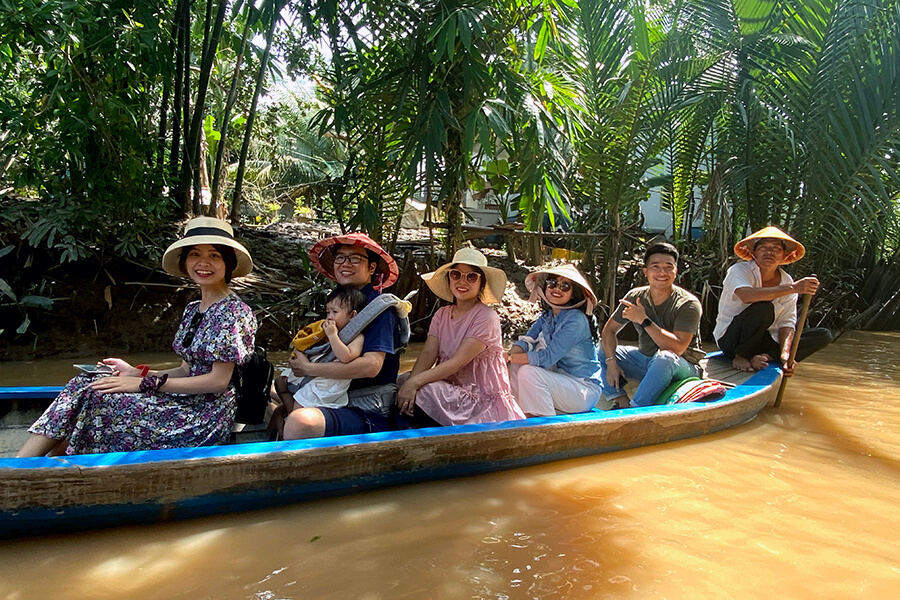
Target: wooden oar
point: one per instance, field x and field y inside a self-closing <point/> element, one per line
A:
<point x="807" y="298"/>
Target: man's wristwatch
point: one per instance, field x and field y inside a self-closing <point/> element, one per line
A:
<point x="646" y="323"/>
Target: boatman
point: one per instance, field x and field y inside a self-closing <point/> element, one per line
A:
<point x="354" y="259"/>
<point x="667" y="320"/>
<point x="758" y="307"/>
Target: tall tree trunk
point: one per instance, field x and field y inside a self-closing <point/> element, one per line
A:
<point x="248" y="131"/>
<point x="226" y="119"/>
<point x="178" y="33"/>
<point x="163" y="123"/>
<point x="201" y="181"/>
<point x="190" y="172"/>
<point x="455" y="184"/>
<point x="612" y="264"/>
<point x="429" y="217"/>
<point x="182" y="190"/>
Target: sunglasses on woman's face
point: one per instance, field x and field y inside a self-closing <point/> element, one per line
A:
<point x="564" y="286"/>
<point x="471" y="277"/>
<point x="191" y="331"/>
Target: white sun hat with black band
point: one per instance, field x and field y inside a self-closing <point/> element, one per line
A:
<point x="438" y="281"/>
<point x="206" y="230"/>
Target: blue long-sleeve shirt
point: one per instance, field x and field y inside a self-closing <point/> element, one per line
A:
<point x="570" y="346"/>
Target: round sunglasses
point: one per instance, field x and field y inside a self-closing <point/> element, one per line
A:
<point x="564" y="286"/>
<point x="471" y="277"/>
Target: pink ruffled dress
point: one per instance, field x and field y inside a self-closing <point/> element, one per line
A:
<point x="479" y="392"/>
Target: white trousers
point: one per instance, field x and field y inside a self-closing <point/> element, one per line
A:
<point x="540" y="392"/>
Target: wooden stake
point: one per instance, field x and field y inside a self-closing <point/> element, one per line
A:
<point x="807" y="298"/>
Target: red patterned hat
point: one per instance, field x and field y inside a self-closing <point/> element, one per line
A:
<point x="322" y="257"/>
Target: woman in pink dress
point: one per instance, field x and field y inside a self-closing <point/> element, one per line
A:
<point x="460" y="376"/>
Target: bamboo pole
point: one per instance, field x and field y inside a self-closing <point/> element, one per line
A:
<point x="794" y="344"/>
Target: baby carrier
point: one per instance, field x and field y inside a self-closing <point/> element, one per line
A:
<point x="376" y="399"/>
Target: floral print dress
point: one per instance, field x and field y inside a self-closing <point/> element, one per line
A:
<point x="121" y="422"/>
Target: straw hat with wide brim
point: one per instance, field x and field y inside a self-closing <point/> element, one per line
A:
<point x="439" y="281"/>
<point x="207" y="230"/>
<point x="322" y="257"/>
<point x="794" y="250"/>
<point x="534" y="282"/>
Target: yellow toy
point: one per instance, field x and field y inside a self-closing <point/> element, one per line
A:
<point x="309" y="336"/>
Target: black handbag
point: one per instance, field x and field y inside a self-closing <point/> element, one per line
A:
<point x="252" y="382"/>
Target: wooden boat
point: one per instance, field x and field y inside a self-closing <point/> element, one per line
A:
<point x="63" y="494"/>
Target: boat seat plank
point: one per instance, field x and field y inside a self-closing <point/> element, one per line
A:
<point x="720" y="369"/>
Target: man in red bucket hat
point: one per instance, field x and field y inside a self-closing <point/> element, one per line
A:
<point x="353" y="259"/>
<point x="758" y="308"/>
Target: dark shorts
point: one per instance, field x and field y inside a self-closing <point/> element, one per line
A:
<point x="350" y="421"/>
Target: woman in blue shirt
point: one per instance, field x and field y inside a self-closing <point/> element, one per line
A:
<point x="554" y="368"/>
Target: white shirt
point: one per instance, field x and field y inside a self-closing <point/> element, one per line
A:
<point x="746" y="274"/>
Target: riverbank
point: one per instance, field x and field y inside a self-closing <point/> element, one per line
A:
<point x="110" y="305"/>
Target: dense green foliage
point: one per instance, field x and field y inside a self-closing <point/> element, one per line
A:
<point x="748" y="112"/>
<point x="75" y="123"/>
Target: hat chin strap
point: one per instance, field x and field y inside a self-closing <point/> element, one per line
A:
<point x="540" y="291"/>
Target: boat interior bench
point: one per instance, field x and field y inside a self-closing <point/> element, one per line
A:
<point x="17" y="414"/>
<point x="716" y="367"/>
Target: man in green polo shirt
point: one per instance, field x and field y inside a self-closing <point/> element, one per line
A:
<point x="667" y="319"/>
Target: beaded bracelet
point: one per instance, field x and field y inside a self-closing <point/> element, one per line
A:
<point x="151" y="383"/>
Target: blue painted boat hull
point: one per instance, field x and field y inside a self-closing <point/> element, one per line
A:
<point x="33" y="392"/>
<point x="65" y="494"/>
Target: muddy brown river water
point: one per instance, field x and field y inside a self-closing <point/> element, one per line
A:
<point x="799" y="503"/>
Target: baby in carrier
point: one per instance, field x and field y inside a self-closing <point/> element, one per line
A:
<point x="341" y="306"/>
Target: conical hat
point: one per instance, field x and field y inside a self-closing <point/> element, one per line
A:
<point x="794" y="250"/>
<point x="534" y="282"/>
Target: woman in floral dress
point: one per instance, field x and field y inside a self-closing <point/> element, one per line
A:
<point x="460" y="376"/>
<point x="191" y="405"/>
